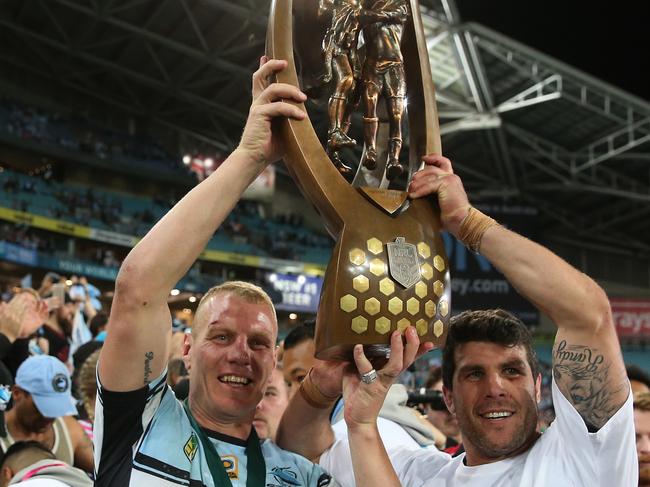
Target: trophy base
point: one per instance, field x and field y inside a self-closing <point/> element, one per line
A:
<point x="343" y="352"/>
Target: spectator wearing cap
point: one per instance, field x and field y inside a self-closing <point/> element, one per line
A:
<point x="42" y="411"/>
<point x="29" y="463"/>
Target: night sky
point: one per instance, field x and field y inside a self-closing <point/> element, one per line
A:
<point x="609" y="41"/>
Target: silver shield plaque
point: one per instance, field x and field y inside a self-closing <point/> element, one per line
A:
<point x="403" y="262"/>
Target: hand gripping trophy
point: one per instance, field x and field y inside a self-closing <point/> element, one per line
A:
<point x="388" y="269"/>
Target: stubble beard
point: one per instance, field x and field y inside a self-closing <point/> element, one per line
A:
<point x="523" y="434"/>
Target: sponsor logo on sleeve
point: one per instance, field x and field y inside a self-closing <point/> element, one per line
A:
<point x="191" y="447"/>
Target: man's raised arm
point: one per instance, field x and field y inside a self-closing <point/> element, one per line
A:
<point x="587" y="363"/>
<point x="139" y="329"/>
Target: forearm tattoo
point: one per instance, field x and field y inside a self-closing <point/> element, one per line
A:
<point x="148" y="357"/>
<point x="584" y="377"/>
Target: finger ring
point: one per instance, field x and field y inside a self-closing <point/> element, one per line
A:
<point x="369" y="377"/>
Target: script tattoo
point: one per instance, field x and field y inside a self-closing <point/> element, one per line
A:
<point x="148" y="357"/>
<point x="583" y="376"/>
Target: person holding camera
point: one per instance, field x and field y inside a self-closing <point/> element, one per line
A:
<point x="438" y="414"/>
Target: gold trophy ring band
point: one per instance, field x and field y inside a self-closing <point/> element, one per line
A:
<point x="369" y="377"/>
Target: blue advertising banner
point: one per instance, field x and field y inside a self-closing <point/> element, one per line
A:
<point x="16" y="253"/>
<point x="299" y="293"/>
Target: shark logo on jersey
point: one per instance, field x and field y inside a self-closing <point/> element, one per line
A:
<point x="285" y="476"/>
<point x="324" y="480"/>
<point x="191" y="447"/>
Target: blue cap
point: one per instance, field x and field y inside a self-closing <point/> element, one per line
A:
<point x="47" y="379"/>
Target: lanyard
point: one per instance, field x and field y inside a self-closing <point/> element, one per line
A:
<point x="255" y="466"/>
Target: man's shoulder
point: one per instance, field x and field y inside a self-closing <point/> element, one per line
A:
<point x="274" y="453"/>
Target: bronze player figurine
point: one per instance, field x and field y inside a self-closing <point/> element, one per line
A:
<point x="383" y="74"/>
<point x="340" y="50"/>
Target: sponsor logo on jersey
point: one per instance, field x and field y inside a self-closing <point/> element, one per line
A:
<point x="231" y="465"/>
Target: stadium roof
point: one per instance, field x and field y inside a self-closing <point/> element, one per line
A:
<point x="522" y="127"/>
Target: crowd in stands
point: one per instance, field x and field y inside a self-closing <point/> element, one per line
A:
<point x="36" y="125"/>
<point x="27" y="237"/>
<point x="247" y="230"/>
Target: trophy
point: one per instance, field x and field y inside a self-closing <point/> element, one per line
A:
<point x="360" y="62"/>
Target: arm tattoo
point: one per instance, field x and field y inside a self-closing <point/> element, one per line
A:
<point x="148" y="357"/>
<point x="583" y="376"/>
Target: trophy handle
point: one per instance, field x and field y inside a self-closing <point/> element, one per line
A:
<point x="422" y="111"/>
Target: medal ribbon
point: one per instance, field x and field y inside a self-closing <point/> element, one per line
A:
<point x="255" y="465"/>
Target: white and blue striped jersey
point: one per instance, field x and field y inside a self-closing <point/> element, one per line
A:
<point x="144" y="438"/>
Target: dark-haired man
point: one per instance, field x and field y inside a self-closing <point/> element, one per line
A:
<point x="30" y="463"/>
<point x="490" y="375"/>
<point x="642" y="428"/>
<point x="43" y="411"/>
<point x="639" y="379"/>
<point x="298" y="355"/>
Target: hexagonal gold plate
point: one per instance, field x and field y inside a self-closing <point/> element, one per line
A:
<point x="413" y="306"/>
<point x="439" y="263"/>
<point x="375" y="246"/>
<point x="382" y="325"/>
<point x="421" y="327"/>
<point x="377" y="267"/>
<point x="403" y="324"/>
<point x="420" y="289"/>
<point x="395" y="305"/>
<point x="426" y="271"/>
<point x="348" y="303"/>
<point x="386" y="286"/>
<point x="357" y="256"/>
<point x="443" y="307"/>
<point x="361" y="284"/>
<point x="359" y="324"/>
<point x="424" y="250"/>
<point x="372" y="306"/>
<point x="430" y="309"/>
<point x="438" y="288"/>
<point x="438" y="328"/>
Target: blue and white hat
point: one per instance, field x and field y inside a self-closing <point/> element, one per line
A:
<point x="47" y="379"/>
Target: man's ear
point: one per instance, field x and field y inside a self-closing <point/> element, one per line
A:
<point x="6" y="474"/>
<point x="538" y="388"/>
<point x="449" y="399"/>
<point x="187" y="350"/>
<point x="17" y="393"/>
